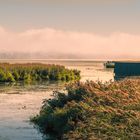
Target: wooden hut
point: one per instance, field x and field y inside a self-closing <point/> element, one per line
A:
<point x="126" y="69"/>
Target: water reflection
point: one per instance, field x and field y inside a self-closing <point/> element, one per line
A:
<point x="18" y="102"/>
<point x="18" y="88"/>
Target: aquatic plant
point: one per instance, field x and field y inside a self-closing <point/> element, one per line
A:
<point x="36" y="72"/>
<point x="92" y="110"/>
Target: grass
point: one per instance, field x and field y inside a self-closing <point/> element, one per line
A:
<point x="93" y="111"/>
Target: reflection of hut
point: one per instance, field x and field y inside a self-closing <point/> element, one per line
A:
<point x="126" y="69"/>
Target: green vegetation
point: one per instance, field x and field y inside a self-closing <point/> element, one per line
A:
<point x="36" y="72"/>
<point x="91" y="111"/>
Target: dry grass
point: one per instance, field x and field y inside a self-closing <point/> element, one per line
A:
<point x="90" y="110"/>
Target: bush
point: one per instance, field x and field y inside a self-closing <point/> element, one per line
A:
<point x="2" y="76"/>
<point x="36" y="72"/>
<point x="9" y="77"/>
<point x="93" y="111"/>
<point x="16" y="75"/>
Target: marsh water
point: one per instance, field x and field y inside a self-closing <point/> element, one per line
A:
<point x="19" y="102"/>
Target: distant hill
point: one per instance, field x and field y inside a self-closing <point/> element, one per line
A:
<point x="50" y="55"/>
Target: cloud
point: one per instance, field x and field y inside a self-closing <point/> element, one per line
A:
<point x="115" y="45"/>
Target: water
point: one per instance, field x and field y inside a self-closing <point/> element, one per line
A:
<point x="19" y="102"/>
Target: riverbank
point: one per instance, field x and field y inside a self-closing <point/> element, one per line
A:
<point x="14" y="123"/>
<point x="93" y="111"/>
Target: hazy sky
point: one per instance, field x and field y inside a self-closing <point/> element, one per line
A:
<point x="91" y="27"/>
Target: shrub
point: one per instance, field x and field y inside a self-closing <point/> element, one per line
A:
<point x="36" y="72"/>
<point x="2" y="76"/>
<point x="9" y="77"/>
<point x="93" y="111"/>
<point x="16" y="75"/>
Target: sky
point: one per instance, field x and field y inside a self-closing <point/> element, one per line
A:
<point x="90" y="28"/>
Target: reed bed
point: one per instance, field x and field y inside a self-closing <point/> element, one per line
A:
<point x="93" y="111"/>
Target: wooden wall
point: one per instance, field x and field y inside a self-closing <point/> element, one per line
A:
<point x="126" y="69"/>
